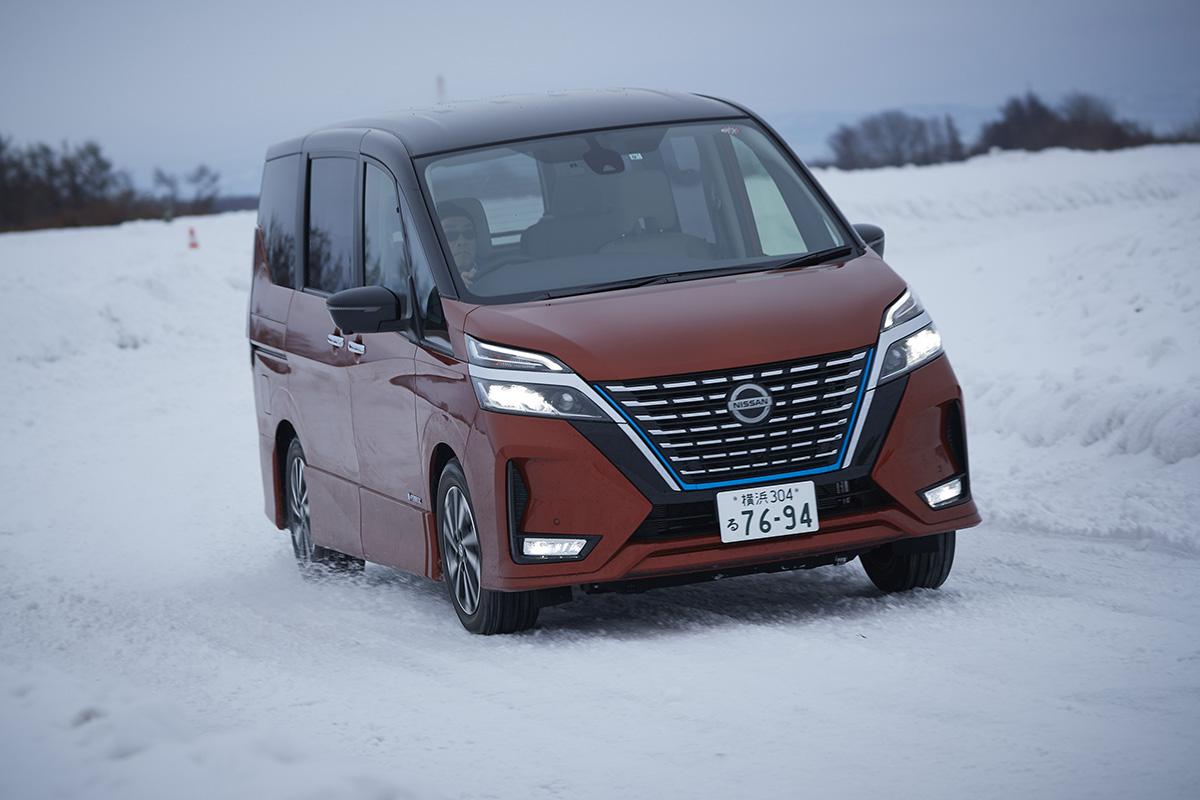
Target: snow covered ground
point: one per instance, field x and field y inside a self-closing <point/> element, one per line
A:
<point x="156" y="641"/>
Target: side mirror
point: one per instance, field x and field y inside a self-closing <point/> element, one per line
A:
<point x="367" y="309"/>
<point x="872" y="235"/>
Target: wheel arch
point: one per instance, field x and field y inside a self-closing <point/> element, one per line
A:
<point x="442" y="455"/>
<point x="285" y="432"/>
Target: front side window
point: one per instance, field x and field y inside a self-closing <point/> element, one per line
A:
<point x="584" y="212"/>
<point x="428" y="300"/>
<point x="329" y="266"/>
<point x="385" y="258"/>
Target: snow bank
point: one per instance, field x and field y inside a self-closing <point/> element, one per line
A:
<point x="64" y="740"/>
<point x="1067" y="288"/>
<point x="155" y="640"/>
<point x="1015" y="184"/>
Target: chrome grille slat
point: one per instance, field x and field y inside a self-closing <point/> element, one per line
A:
<point x="856" y="357"/>
<point x="691" y="455"/>
<point x="691" y="424"/>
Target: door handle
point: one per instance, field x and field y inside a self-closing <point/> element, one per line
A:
<point x="335" y="340"/>
<point x="358" y="348"/>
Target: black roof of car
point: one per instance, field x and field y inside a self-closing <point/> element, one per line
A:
<point x="457" y="126"/>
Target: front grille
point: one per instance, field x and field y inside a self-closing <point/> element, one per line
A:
<point x="687" y="418"/>
<point x="677" y="520"/>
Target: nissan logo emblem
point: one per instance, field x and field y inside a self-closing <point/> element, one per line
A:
<point x="750" y="403"/>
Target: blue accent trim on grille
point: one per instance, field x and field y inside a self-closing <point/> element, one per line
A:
<point x="862" y="387"/>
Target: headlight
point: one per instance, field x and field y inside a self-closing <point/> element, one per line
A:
<point x="910" y="352"/>
<point x="565" y="397"/>
<point x="907" y="306"/>
<point x="537" y="399"/>
<point x="497" y="357"/>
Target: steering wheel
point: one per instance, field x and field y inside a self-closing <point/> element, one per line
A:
<point x="503" y="261"/>
<point x="629" y="236"/>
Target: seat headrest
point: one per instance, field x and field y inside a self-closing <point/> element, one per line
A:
<point x="644" y="202"/>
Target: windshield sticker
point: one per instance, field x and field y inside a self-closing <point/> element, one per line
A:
<point x="731" y="130"/>
<point x="635" y="156"/>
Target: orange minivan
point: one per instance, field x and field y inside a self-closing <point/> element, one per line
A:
<point x="590" y="341"/>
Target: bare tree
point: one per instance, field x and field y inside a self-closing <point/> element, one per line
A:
<point x="1188" y="131"/>
<point x="204" y="182"/>
<point x="1090" y="123"/>
<point x="955" y="151"/>
<point x="1081" y="121"/>
<point x="42" y="187"/>
<point x="166" y="186"/>
<point x="894" y="138"/>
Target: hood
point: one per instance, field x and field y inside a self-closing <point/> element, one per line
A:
<point x="701" y="325"/>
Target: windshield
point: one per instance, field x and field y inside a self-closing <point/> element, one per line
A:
<point x="571" y="214"/>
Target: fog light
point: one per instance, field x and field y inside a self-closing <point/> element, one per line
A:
<point x="536" y="547"/>
<point x="944" y="493"/>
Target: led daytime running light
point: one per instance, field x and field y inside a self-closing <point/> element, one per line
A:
<point x="497" y="356"/>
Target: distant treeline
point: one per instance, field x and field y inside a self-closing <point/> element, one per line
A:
<point x="1080" y="122"/>
<point x="46" y="187"/>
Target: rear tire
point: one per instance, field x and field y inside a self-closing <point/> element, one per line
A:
<point x="311" y="558"/>
<point x="480" y="610"/>
<point x="920" y="563"/>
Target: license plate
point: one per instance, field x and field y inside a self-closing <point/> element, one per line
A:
<point x="763" y="512"/>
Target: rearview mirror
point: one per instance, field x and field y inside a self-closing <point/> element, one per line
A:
<point x="872" y="235"/>
<point x="367" y="309"/>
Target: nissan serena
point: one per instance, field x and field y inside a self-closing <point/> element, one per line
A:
<point x="590" y="342"/>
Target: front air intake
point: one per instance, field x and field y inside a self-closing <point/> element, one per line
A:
<point x="772" y="420"/>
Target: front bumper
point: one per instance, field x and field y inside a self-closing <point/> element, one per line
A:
<point x="575" y="488"/>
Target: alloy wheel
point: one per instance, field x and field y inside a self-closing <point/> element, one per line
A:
<point x="460" y="549"/>
<point x="302" y="542"/>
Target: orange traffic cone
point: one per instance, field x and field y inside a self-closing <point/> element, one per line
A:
<point x="192" y="243"/>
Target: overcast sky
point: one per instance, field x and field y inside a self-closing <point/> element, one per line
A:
<point x="159" y="83"/>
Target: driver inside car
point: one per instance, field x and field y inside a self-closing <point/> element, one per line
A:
<point x="462" y="237"/>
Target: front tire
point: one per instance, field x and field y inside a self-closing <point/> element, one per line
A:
<point x="920" y="563"/>
<point x="309" y="556"/>
<point x="480" y="610"/>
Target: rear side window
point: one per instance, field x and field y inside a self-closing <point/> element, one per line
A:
<point x="277" y="216"/>
<point x="330" y="262"/>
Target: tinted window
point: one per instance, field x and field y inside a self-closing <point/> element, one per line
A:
<point x="330" y="224"/>
<point x="621" y="205"/>
<point x="385" y="258"/>
<point x="277" y="216"/>
<point x="681" y="156"/>
<point x="428" y="300"/>
<point x="776" y="227"/>
<point x="508" y="189"/>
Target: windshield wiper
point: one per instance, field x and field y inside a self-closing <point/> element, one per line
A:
<point x="806" y="260"/>
<point x="606" y="287"/>
<point x="817" y="257"/>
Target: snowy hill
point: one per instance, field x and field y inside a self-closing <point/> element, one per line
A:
<point x="156" y="641"/>
<point x="1067" y="287"/>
